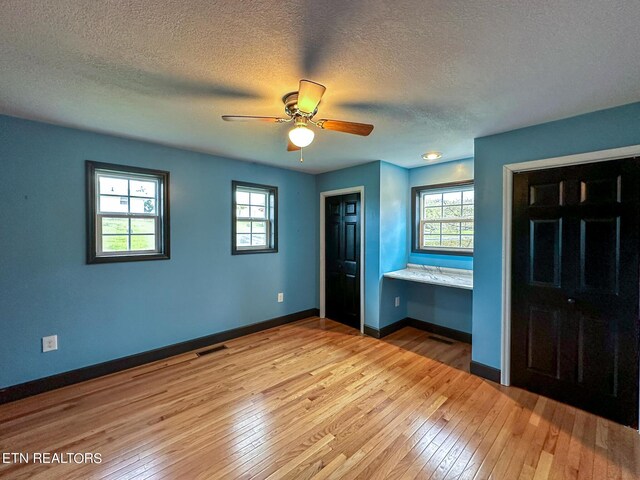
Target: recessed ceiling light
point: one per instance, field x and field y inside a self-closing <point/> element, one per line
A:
<point x="432" y="155"/>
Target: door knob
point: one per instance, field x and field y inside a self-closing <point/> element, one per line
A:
<point x="571" y="300"/>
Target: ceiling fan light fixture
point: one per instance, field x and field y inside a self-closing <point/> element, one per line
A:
<point x="300" y="108"/>
<point x="301" y="136"/>
<point x="432" y="155"/>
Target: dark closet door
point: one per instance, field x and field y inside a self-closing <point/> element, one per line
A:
<point x="575" y="286"/>
<point x="342" y="259"/>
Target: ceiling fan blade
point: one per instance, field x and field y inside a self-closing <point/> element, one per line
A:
<point x="363" y="129"/>
<point x="246" y="118"/>
<point x="291" y="147"/>
<point x="309" y="95"/>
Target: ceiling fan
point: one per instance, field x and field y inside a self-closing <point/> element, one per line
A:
<point x="301" y="107"/>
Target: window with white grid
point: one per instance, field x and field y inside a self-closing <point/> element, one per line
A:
<point x="128" y="213"/>
<point x="254" y="218"/>
<point x="446" y="218"/>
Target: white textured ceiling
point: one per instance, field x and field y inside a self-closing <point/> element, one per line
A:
<point x="430" y="75"/>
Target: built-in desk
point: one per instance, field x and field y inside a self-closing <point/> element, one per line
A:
<point x="447" y="277"/>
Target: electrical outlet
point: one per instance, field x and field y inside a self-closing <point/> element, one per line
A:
<point x="397" y="301"/>
<point x="49" y="343"/>
<point x="280" y="297"/>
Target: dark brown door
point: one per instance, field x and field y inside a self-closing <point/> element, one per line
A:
<point x="342" y="259"/>
<point x="575" y="286"/>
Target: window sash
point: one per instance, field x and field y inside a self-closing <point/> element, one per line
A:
<point x="253" y="220"/>
<point x="460" y="235"/>
<point x="268" y="219"/>
<point x="141" y="178"/>
<point x="129" y="234"/>
<point x="100" y="214"/>
<point x="422" y="221"/>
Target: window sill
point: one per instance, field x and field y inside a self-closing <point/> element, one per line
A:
<point x="128" y="258"/>
<point x="444" y="251"/>
<point x="249" y="251"/>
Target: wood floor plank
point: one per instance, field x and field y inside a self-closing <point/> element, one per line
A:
<point x="497" y="458"/>
<point x="527" y="446"/>
<point x="314" y="399"/>
<point x="559" y="463"/>
<point x="535" y="450"/>
<point x="413" y="463"/>
<point x="588" y="440"/>
<point x="482" y="433"/>
<point x="468" y="469"/>
<point x="543" y="467"/>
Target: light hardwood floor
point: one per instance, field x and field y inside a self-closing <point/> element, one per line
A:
<point x="315" y="399"/>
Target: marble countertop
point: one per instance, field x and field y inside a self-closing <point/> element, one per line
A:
<point x="448" y="277"/>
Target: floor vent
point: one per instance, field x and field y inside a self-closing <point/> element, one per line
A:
<point x="212" y="350"/>
<point x="441" y="340"/>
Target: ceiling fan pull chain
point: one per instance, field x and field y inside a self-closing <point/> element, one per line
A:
<point x="301" y="159"/>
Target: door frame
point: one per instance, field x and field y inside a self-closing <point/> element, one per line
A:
<point x="508" y="171"/>
<point x="323" y="196"/>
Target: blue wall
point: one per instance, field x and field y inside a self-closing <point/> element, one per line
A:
<point x="367" y="175"/>
<point x="101" y="312"/>
<point x="611" y="128"/>
<point x="446" y="306"/>
<point x="394" y="182"/>
<point x="456" y="171"/>
<point x="388" y="222"/>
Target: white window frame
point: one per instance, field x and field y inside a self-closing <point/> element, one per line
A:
<point x="270" y="218"/>
<point x="129" y="215"/>
<point x="418" y="195"/>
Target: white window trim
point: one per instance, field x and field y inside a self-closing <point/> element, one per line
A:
<point x="418" y="220"/>
<point x="101" y="172"/>
<point x="271" y="218"/>
<point x="267" y="218"/>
